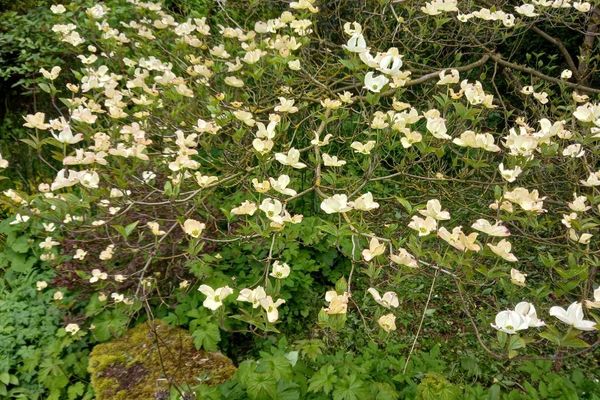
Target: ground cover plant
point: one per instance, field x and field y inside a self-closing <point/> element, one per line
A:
<point x="351" y="199"/>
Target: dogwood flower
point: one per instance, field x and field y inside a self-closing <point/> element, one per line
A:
<point x="509" y="175"/>
<point x="286" y="106"/>
<point x="36" y="121"/>
<point x="436" y="125"/>
<point x="57" y="9"/>
<point x="234" y="81"/>
<point x="66" y="136"/>
<point x="280" y="270"/>
<point x="391" y="62"/>
<point x="271" y="307"/>
<point x="364" y="203"/>
<point x="476" y="95"/>
<point x="98" y="275"/>
<point x="304" y="5"/>
<point x="592" y="180"/>
<point x="528" y="201"/>
<point x="332" y="161"/>
<point x="246" y="208"/>
<point x="498" y="230"/>
<point x="148" y="176"/>
<point x="509" y="321"/>
<point x="527" y="10"/>
<point x="72" y="328"/>
<point x="517" y="277"/>
<point x="19" y="219"/>
<point x="294" y="65"/>
<point x="583" y="238"/>
<point x="338" y="203"/>
<point x="527" y="311"/>
<point x="266" y="132"/>
<point x="387" y="322"/>
<point x="404" y="258"/>
<point x="280" y="185"/>
<point x="363" y="148"/>
<point x="52" y="74"/>
<point x="89" y="179"/>
<point x="245" y="117"/>
<point x="375" y="249"/>
<point x="566" y="74"/>
<point x="423" y="226"/>
<point x="214" y="297"/>
<point x="582" y="6"/>
<point x="459" y="240"/>
<point x="388" y="300"/>
<point x="261" y="186"/>
<point x="252" y="296"/>
<point x="292" y="158"/>
<point x="331" y="104"/>
<point x="573" y="316"/>
<point x="320" y="143"/>
<point x="410" y="138"/>
<point x="502" y="249"/>
<point x="596" y="302"/>
<point x="107" y="253"/>
<point x="48" y="243"/>
<point x="375" y="83"/>
<point x="356" y="43"/>
<point x="542" y="97"/>
<point x="573" y="150"/>
<point x="338" y="303"/>
<point x="474" y="140"/>
<point x="193" y="228"/>
<point x="155" y="228"/>
<point x="448" y="79"/>
<point x="434" y="210"/>
<point x="271" y="207"/>
<point x="346" y="97"/>
<point x="579" y="203"/>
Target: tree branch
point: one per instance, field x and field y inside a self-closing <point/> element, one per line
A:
<point x="497" y="58"/>
<point x="561" y="47"/>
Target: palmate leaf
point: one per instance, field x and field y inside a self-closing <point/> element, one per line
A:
<point x="261" y="386"/>
<point x="206" y="337"/>
<point x="323" y="380"/>
<point x="350" y="388"/>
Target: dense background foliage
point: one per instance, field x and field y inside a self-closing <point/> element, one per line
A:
<point x="307" y="354"/>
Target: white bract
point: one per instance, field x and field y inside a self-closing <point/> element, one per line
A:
<point x="573" y="316"/>
<point x="214" y="297"/>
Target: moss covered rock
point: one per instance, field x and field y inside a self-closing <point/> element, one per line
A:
<point x="144" y="362"/>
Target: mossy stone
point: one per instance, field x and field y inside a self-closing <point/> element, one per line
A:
<point x="143" y="363"/>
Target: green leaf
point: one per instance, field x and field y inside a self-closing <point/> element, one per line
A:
<point x="261" y="386"/>
<point x="350" y="388"/>
<point x="20" y="244"/>
<point x="341" y="285"/>
<point x="207" y="337"/>
<point x="575" y="343"/>
<point x="323" y="380"/>
<point x="127" y="230"/>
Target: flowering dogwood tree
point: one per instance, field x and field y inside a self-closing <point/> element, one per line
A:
<point x="175" y="140"/>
